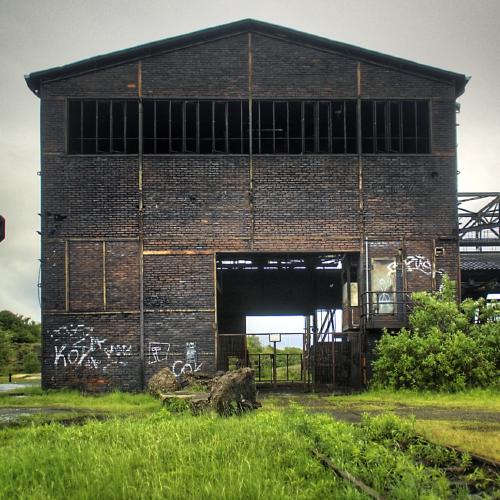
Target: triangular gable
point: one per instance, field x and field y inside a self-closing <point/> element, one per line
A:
<point x="35" y="79"/>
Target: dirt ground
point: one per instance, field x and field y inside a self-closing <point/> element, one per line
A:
<point x="353" y="412"/>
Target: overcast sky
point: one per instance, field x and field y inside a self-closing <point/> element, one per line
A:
<point x="458" y="35"/>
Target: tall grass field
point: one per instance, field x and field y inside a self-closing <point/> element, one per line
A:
<point x="262" y="455"/>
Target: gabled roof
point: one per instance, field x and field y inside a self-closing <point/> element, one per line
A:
<point x="34" y="80"/>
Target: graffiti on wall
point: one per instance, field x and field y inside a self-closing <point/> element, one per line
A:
<point x="80" y="346"/>
<point x="385" y="283"/>
<point x="77" y="345"/>
<point x="190" y="365"/>
<point x="416" y="263"/>
<point x="158" y="352"/>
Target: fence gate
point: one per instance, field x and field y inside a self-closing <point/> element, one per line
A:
<point x="325" y="359"/>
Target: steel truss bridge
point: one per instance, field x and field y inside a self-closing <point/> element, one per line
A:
<point x="479" y="221"/>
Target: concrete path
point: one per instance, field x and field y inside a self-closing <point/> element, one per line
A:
<point x="16" y="385"/>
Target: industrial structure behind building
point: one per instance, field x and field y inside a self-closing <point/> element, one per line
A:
<point x="242" y="170"/>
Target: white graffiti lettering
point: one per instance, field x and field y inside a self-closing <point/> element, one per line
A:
<point x="60" y="354"/>
<point x="179" y="368"/>
<point x="158" y="352"/>
<point x="416" y="263"/>
<point x="82" y="348"/>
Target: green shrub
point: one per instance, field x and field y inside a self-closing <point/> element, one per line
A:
<point x="449" y="346"/>
<point x="30" y="363"/>
<point x="6" y="351"/>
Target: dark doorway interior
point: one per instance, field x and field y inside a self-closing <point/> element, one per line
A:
<point x="265" y="284"/>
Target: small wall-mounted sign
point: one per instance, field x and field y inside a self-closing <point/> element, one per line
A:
<point x="275" y="337"/>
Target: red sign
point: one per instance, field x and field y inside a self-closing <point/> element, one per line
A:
<point x="2" y="228"/>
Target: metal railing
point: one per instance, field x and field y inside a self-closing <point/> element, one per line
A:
<point x="382" y="306"/>
<point x="288" y="366"/>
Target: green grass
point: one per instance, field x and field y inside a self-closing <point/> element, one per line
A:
<point x="262" y="455"/>
<point x="477" y="399"/>
<point x="481" y="438"/>
<point x="115" y="403"/>
<point x="465" y="419"/>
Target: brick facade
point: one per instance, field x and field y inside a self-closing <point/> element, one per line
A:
<point x="128" y="241"/>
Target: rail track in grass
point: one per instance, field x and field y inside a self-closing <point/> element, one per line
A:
<point x="477" y="475"/>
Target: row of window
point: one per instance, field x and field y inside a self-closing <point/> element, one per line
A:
<point x="278" y="127"/>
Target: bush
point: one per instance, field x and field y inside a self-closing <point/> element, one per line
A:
<point x="30" y="363"/>
<point x="449" y="346"/>
<point x="6" y="351"/>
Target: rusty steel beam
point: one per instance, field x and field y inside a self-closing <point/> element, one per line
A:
<point x="483" y="219"/>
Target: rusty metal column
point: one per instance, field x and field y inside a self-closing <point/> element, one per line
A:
<point x="363" y="242"/>
<point x="306" y="352"/>
<point x="141" y="228"/>
<point x="250" y="139"/>
<point x="333" y="360"/>
<point x="215" y="323"/>
<point x="275" y="362"/>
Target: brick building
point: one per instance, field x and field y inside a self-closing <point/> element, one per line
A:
<point x="242" y="169"/>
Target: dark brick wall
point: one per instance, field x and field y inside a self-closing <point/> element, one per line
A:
<point x="306" y="203"/>
<point x="92" y="352"/>
<point x="86" y="276"/>
<point x="53" y="276"/>
<point x="118" y="81"/>
<point x="204" y="204"/>
<point x="216" y="69"/>
<point x="379" y="82"/>
<point x="178" y="281"/>
<point x="408" y="196"/>
<point x="196" y="201"/>
<point x="122" y="276"/>
<point x="167" y="334"/>
<point x="89" y="196"/>
<point x="283" y="69"/>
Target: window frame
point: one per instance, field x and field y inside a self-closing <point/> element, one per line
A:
<point x="387" y="138"/>
<point x="278" y="142"/>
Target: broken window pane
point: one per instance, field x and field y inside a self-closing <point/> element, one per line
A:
<point x="295" y="126"/>
<point x="148" y="126"/>
<point x="162" y="127"/>
<point x="398" y="127"/>
<point x="309" y="127"/>
<point x="74" y="127"/>
<point x="380" y="127"/>
<point x="235" y="132"/>
<point x="176" y="124"/>
<point x="103" y="126"/>
<point x="367" y="127"/>
<point x="255" y="127"/>
<point x="206" y="120"/>
<point x="324" y="127"/>
<point x="266" y="127"/>
<point x="191" y="126"/>
<point x="118" y="127"/>
<point x="423" y="127"/>
<point x="350" y="127"/>
<point x="409" y="127"/>
<point x="338" y="127"/>
<point x="220" y="126"/>
<point x="281" y="127"/>
<point x="395" y="126"/>
<point x="132" y="127"/>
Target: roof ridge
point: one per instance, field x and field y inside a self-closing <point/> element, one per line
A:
<point x="35" y="79"/>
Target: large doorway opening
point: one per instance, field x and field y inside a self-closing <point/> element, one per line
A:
<point x="288" y="316"/>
